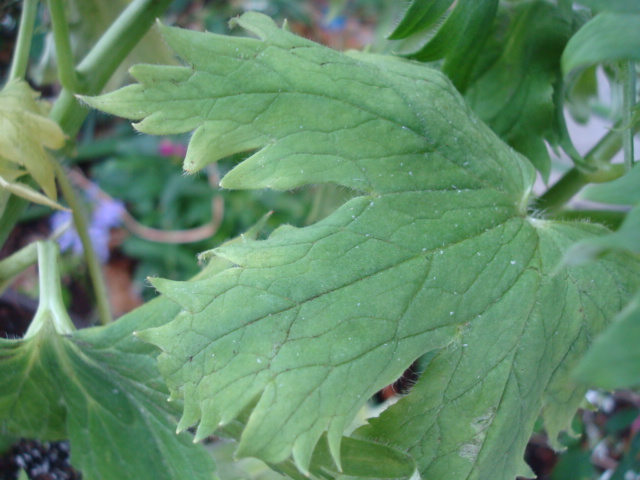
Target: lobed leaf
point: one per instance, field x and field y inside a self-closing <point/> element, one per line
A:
<point x="27" y="133"/>
<point x="436" y="253"/>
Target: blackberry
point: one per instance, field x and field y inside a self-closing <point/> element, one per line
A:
<point x="41" y="461"/>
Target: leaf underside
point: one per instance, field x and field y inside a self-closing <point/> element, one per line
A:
<point x="436" y="253"/>
<point x="91" y="387"/>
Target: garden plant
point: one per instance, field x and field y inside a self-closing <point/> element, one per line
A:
<point x="511" y="299"/>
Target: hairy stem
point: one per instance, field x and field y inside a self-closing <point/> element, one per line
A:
<point x="20" y="59"/>
<point x="93" y="264"/>
<point x="64" y="56"/>
<point x="609" y="218"/>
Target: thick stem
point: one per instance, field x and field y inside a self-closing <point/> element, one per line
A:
<point x="20" y="59"/>
<point x="93" y="264"/>
<point x="64" y="55"/>
<point x="50" y="306"/>
<point x="103" y="59"/>
<point x="574" y="180"/>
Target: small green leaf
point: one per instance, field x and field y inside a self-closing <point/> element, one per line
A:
<point x="420" y="15"/>
<point x="26" y="192"/>
<point x="624" y="190"/>
<point x="437" y="252"/>
<point x="614" y="359"/>
<point x="27" y="133"/>
<point x="608" y="37"/>
<point x="626" y="238"/>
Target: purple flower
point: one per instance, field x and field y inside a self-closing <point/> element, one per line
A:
<point x="107" y="214"/>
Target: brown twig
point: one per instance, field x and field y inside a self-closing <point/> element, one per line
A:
<point x="190" y="235"/>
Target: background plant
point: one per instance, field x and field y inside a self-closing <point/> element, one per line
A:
<point x="438" y="217"/>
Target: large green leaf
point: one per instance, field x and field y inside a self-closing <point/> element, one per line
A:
<point x="436" y="253"/>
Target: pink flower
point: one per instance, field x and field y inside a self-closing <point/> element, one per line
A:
<point x="167" y="148"/>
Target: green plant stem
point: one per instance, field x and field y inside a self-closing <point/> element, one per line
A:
<point x="64" y="55"/>
<point x="94" y="72"/>
<point x="608" y="218"/>
<point x="93" y="264"/>
<point x="104" y="58"/>
<point x="20" y="59"/>
<point x="575" y="179"/>
<point x="50" y="306"/>
<point x="629" y="100"/>
<point x="16" y="263"/>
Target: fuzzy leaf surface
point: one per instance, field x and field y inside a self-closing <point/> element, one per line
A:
<point x="436" y="253"/>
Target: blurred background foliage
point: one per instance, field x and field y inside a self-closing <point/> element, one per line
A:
<point x="151" y="219"/>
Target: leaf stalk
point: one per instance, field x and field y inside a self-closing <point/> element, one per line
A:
<point x="20" y="59"/>
<point x="554" y="199"/>
<point x="50" y="306"/>
<point x="64" y="55"/>
<point x="82" y="227"/>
